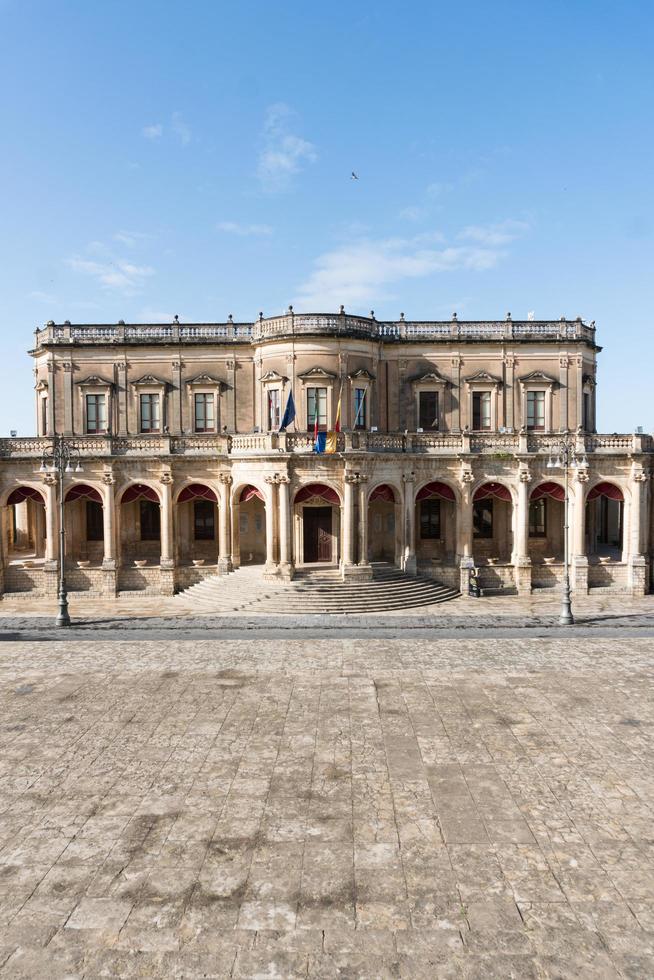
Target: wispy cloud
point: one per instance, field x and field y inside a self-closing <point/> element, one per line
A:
<point x="493" y="235"/>
<point x="245" y="231"/>
<point x="181" y="129"/>
<point x="413" y="213"/>
<point x="153" y="132"/>
<point x="131" y="238"/>
<point x="117" y="274"/>
<point x="283" y="153"/>
<point x="178" y="127"/>
<point x="360" y="273"/>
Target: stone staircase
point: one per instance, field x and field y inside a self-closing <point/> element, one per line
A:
<point x="313" y="591"/>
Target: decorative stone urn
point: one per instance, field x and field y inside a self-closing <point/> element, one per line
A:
<point x="140" y="562"/>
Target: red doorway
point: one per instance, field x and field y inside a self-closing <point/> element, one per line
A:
<point x="317" y="529"/>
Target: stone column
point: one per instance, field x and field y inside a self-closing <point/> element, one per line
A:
<point x="224" y="521"/>
<point x="167" y="561"/>
<point x="350" y="480"/>
<point x="464" y="531"/>
<point x="410" y="563"/>
<point x="579" y="560"/>
<point x="285" y="558"/>
<point x="51" y="564"/>
<point x="365" y="570"/>
<point x="521" y="560"/>
<point x="270" y="569"/>
<point x="509" y="391"/>
<point x="51" y="519"/>
<point x="109" y="527"/>
<point x="68" y="397"/>
<point x="637" y="572"/>
<point x="455" y="395"/>
<point x="564" y="364"/>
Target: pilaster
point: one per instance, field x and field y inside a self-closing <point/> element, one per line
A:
<point x="410" y="563"/>
<point x="225" y="522"/>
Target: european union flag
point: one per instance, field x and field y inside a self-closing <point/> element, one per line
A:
<point x="320" y="442"/>
<point x="289" y="413"/>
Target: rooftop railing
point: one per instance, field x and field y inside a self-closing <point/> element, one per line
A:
<point x="315" y="324"/>
<point x="262" y="443"/>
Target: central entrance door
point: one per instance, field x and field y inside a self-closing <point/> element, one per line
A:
<point x="317" y="523"/>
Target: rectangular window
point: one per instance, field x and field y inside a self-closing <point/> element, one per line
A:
<point x="274" y="409"/>
<point x="428" y="410"/>
<point x="44" y="416"/>
<point x="537" y="519"/>
<point x="203" y="520"/>
<point x="430" y="520"/>
<point x="317" y="406"/>
<point x="481" y="410"/>
<point x="150" y="417"/>
<point x="536" y="410"/>
<point x="150" y="520"/>
<point x="96" y="413"/>
<point x="482" y="518"/>
<point x="360" y="408"/>
<point x="94" y="524"/>
<point x="205" y="418"/>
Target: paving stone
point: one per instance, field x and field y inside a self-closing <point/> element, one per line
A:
<point x="360" y="808"/>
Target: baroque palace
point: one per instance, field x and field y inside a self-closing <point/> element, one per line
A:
<point x="441" y="461"/>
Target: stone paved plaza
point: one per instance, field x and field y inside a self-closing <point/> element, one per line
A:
<point x="327" y="808"/>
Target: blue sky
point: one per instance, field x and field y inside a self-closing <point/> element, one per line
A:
<point x="162" y="158"/>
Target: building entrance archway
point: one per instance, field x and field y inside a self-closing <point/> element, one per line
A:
<point x="317" y="510"/>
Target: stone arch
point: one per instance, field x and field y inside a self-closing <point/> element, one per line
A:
<point x="493" y="515"/>
<point x="545" y="529"/>
<point x="139" y="522"/>
<point x="384" y="523"/>
<point x="317" y="523"/>
<point x="604" y="518"/>
<point x="250" y="520"/>
<point x="23" y="523"/>
<point x="196" y="524"/>
<point x="436" y="512"/>
<point x="84" y="523"/>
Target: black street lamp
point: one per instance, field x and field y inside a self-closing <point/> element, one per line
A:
<point x="566" y="459"/>
<point x="63" y="458"/>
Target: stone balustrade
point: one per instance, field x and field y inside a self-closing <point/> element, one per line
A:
<point x="314" y="324"/>
<point x="262" y="443"/>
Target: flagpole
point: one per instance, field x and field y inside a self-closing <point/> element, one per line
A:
<point x="290" y="309"/>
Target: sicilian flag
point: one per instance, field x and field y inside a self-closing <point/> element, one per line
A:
<point x="289" y="413"/>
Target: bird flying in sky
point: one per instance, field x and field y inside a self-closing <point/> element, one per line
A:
<point x="354" y="176"/>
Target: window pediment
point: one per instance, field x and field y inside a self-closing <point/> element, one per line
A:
<point x="149" y="380"/>
<point x="429" y="378"/>
<point x="41" y="386"/>
<point x="483" y="378"/>
<point x="273" y="377"/>
<point x="94" y="381"/>
<point x="361" y="375"/>
<point x="317" y="374"/>
<point x="537" y="377"/>
<point x="204" y="380"/>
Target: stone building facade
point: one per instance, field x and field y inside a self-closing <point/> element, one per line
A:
<point x="447" y="429"/>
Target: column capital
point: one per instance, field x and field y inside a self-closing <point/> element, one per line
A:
<point x="272" y="480"/>
<point x="50" y="479"/>
<point x="353" y="478"/>
<point x="408" y="478"/>
<point x="225" y="479"/>
<point x="108" y="478"/>
<point x="638" y="474"/>
<point x="166" y="479"/>
<point x="524" y="476"/>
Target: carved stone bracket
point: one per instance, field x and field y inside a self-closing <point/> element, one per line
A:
<point x="226" y="479"/>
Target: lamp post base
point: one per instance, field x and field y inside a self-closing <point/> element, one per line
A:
<point x="63" y="618"/>
<point x="566" y="618"/>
